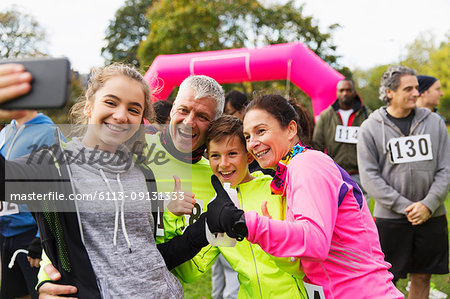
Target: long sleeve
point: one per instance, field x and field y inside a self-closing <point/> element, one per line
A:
<point x="194" y="268"/>
<point x="2" y="178"/>
<point x="184" y="247"/>
<point x="312" y="195"/>
<point x="370" y="173"/>
<point x="439" y="188"/>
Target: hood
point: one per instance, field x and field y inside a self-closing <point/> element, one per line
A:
<point x="40" y="119"/>
<point x="380" y="115"/>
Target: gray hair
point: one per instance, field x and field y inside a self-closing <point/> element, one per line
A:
<point x="205" y="87"/>
<point x="391" y="80"/>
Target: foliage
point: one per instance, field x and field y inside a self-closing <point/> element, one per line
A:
<point x="439" y="67"/>
<point x="59" y="116"/>
<point x="185" y="26"/>
<point x="419" y="51"/>
<point x="20" y="35"/>
<point x="124" y="33"/>
<point x="367" y="84"/>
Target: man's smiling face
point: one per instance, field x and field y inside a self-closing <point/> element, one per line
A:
<point x="190" y="119"/>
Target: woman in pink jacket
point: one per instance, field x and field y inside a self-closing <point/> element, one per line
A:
<point x="327" y="226"/>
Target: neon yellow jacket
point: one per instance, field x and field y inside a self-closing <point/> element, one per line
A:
<point x="260" y="274"/>
<point x="195" y="178"/>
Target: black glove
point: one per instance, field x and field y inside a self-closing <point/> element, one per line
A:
<point x="223" y="216"/>
<point x="196" y="232"/>
<point x="35" y="248"/>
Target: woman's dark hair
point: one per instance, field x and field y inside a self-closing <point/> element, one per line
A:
<point x="285" y="112"/>
<point x="237" y="100"/>
<point x="305" y="121"/>
<point x="162" y="111"/>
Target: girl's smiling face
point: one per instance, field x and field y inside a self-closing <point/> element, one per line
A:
<point x="114" y="114"/>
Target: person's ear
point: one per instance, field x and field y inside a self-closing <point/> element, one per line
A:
<point x="389" y="94"/>
<point x="87" y="109"/>
<point x="250" y="158"/>
<point x="292" y="129"/>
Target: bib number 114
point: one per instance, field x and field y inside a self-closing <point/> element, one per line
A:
<point x="346" y="134"/>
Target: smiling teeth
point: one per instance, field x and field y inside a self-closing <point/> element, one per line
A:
<point x="113" y="127"/>
<point x="260" y="154"/>
<point x="189" y="132"/>
<point x="226" y="172"/>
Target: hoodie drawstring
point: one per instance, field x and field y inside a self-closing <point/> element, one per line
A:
<point x="384" y="137"/>
<point x="13" y="258"/>
<point x="117" y="212"/>
<point x="122" y="218"/>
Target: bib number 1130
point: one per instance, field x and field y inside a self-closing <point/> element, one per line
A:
<point x="411" y="149"/>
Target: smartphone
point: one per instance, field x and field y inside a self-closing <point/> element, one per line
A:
<point x="50" y="87"/>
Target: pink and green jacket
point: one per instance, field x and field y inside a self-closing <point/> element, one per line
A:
<point x="328" y="226"/>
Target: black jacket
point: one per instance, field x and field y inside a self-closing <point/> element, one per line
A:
<point x="47" y="171"/>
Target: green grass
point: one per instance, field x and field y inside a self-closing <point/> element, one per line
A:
<point x="202" y="288"/>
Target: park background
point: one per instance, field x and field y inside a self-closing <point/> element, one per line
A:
<point x="359" y="38"/>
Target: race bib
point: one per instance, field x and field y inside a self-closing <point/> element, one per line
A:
<point x="196" y="212"/>
<point x="410" y="149"/>
<point x="313" y="291"/>
<point x="8" y="208"/>
<point x="191" y="218"/>
<point x="346" y="134"/>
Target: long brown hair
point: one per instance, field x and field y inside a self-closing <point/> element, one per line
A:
<point x="98" y="79"/>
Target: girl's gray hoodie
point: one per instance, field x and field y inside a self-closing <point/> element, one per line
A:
<point x="118" y="234"/>
<point x="396" y="186"/>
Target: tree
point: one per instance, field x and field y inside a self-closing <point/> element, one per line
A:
<point x="368" y="83"/>
<point x="419" y="51"/>
<point x="59" y="116"/>
<point x="427" y="59"/>
<point x="439" y="67"/>
<point x="20" y="35"/>
<point x="424" y="57"/>
<point x="124" y="33"/>
<point x="185" y="26"/>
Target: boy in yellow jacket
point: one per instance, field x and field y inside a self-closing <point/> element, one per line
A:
<point x="260" y="274"/>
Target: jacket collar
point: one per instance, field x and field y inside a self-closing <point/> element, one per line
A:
<point x="357" y="104"/>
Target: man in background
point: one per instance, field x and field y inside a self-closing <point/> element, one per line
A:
<point x="337" y="128"/>
<point x="404" y="162"/>
<point x="430" y="92"/>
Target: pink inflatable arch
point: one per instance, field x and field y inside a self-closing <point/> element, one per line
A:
<point x="293" y="61"/>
